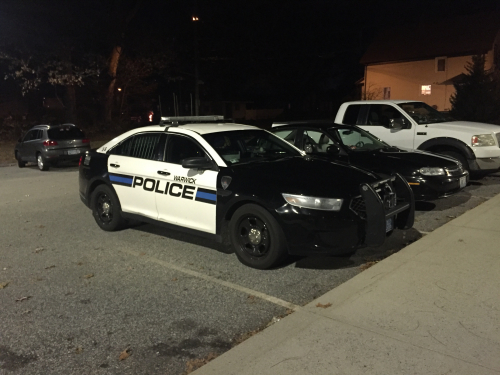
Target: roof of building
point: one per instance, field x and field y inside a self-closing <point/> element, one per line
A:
<point x="458" y="36"/>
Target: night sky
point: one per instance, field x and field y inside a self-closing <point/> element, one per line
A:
<point x="269" y="52"/>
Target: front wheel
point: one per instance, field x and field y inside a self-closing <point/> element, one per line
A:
<point x="20" y="163"/>
<point x="106" y="209"/>
<point x="42" y="163"/>
<point x="257" y="238"/>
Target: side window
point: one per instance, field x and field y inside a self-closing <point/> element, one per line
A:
<point x="381" y="114"/>
<point x="287" y="135"/>
<point x="318" y="141"/>
<point x="179" y="148"/>
<point x="142" y="146"/>
<point x="39" y="134"/>
<point x="351" y="114"/>
<point x="30" y="135"/>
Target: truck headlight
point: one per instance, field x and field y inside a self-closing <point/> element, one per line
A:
<point x="482" y="140"/>
<point x="431" y="171"/>
<point x="315" y="203"/>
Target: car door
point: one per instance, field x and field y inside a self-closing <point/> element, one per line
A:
<point x="381" y="117"/>
<point x="26" y="148"/>
<point x="190" y="197"/>
<point x="133" y="170"/>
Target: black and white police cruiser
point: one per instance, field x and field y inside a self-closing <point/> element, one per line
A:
<point x="242" y="184"/>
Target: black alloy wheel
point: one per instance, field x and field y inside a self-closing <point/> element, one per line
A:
<point x="257" y="237"/>
<point x="106" y="209"/>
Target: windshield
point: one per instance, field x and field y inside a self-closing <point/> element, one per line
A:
<point x="246" y="146"/>
<point x="423" y="113"/>
<point x="355" y="139"/>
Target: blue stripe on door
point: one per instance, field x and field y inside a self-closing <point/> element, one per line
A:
<point x="208" y="196"/>
<point x="121" y="179"/>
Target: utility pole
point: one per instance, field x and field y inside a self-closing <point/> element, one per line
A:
<point x="196" y="73"/>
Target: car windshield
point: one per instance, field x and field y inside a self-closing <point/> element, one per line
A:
<point x="64" y="133"/>
<point x="356" y="140"/>
<point x="424" y="114"/>
<point x="247" y="146"/>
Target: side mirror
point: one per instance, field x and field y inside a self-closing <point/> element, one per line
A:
<point x="397" y="123"/>
<point x="308" y="149"/>
<point x="333" y="150"/>
<point x="197" y="163"/>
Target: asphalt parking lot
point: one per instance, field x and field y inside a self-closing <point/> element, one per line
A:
<point x="76" y="299"/>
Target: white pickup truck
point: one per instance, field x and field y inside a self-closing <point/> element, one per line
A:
<point x="416" y="125"/>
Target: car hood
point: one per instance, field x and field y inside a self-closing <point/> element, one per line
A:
<point x="466" y="127"/>
<point x="303" y="176"/>
<point x="400" y="161"/>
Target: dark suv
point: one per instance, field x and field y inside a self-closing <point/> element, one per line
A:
<point x="49" y="144"/>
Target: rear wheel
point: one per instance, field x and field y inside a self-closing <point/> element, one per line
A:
<point x="106" y="209"/>
<point x="42" y="163"/>
<point x="20" y="163"/>
<point x="257" y="238"/>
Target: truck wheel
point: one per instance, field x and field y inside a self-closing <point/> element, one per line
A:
<point x="106" y="209"/>
<point x="43" y="165"/>
<point x="457" y="156"/>
<point x="257" y="238"/>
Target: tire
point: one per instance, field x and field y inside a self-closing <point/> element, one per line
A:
<point x="20" y="163"/>
<point x="257" y="238"/>
<point x="42" y="163"/>
<point x="457" y="156"/>
<point x="106" y="209"/>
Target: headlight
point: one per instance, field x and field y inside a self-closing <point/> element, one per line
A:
<point x="315" y="203"/>
<point x="428" y="171"/>
<point x="481" y="140"/>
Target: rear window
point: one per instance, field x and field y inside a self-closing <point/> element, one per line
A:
<point x="63" y="133"/>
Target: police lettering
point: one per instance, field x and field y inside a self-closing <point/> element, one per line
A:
<point x="173" y="189"/>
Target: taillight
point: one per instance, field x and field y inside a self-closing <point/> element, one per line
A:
<point x="80" y="161"/>
<point x="49" y="143"/>
<point x="85" y="140"/>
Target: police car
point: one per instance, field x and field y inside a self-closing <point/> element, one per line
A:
<point x="243" y="184"/>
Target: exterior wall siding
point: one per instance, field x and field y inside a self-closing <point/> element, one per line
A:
<point x="405" y="80"/>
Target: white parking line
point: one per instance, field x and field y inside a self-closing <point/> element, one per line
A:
<point x="227" y="284"/>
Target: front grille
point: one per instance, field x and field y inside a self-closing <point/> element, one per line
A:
<point x="456" y="171"/>
<point x="358" y="206"/>
<point x="498" y="138"/>
<point x="386" y="194"/>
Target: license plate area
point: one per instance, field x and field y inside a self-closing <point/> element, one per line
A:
<point x="389" y="224"/>
<point x="73" y="152"/>
<point x="463" y="181"/>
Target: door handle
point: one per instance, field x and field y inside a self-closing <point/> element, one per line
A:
<point x="115" y="165"/>
<point x="164" y="173"/>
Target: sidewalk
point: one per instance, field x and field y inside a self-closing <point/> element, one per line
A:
<point x="433" y="308"/>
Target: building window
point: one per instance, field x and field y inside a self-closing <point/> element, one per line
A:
<point x="425" y="90"/>
<point x="440" y="64"/>
<point x="387" y="93"/>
